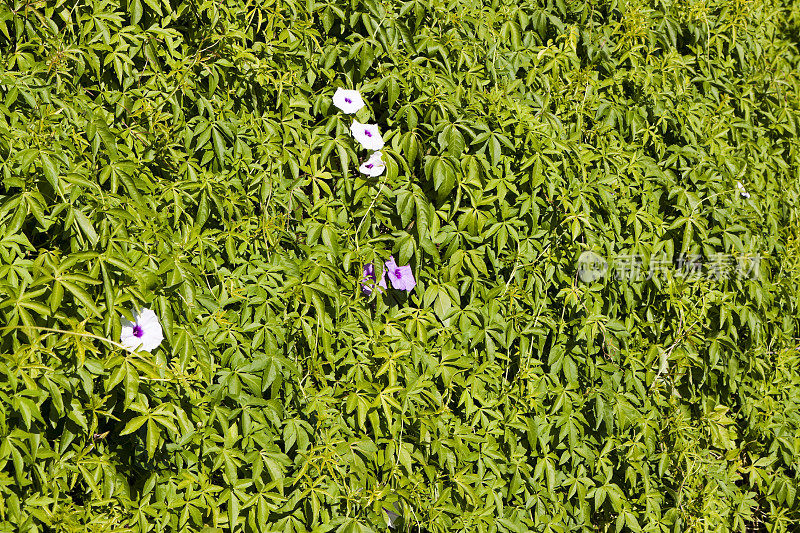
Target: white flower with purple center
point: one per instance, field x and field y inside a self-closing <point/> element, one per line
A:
<point x="374" y="166"/>
<point x="367" y="134"/>
<point x="742" y="190"/>
<point x="144" y="333"/>
<point x="348" y="100"/>
<point x="402" y="277"/>
<point x="370" y="278"/>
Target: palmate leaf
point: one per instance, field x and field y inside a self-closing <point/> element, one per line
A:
<point x="186" y="157"/>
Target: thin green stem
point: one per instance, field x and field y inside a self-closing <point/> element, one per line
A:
<point x="65" y="332"/>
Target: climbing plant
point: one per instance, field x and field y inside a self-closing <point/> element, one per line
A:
<point x="586" y="211"/>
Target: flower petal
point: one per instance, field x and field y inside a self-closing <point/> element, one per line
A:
<point x="129" y="340"/>
<point x="407" y="281"/>
<point x="146" y="317"/>
<point x="374" y="166"/>
<point x="151" y="333"/>
<point x="402" y="277"/>
<point x="348" y="100"/>
<point x="152" y="339"/>
<point x="367" y="134"/>
<point x="368" y="282"/>
<point x="742" y="190"/>
<point x="368" y="278"/>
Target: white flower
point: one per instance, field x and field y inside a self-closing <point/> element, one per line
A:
<point x="742" y="190"/>
<point x="367" y="134"/>
<point x="374" y="166"/>
<point x="144" y="333"/>
<point x="348" y="100"/>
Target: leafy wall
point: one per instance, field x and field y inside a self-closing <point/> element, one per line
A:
<point x="185" y="156"/>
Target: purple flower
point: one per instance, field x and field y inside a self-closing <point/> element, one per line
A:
<point x="401" y="276"/>
<point x="370" y="278"/>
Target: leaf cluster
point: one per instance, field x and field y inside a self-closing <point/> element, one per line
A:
<point x="184" y="155"/>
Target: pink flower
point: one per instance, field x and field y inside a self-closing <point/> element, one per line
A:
<point x="370" y="278"/>
<point x="402" y="277"/>
<point x="367" y="134"/>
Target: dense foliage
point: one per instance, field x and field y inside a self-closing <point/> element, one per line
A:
<point x="184" y="155"/>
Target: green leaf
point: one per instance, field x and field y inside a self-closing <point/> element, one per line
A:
<point x="134" y="425"/>
<point x="82" y="296"/>
<point x="50" y="170"/>
<point x="219" y="145"/>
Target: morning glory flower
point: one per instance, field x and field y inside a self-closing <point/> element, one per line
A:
<point x="367" y="134"/>
<point x="348" y="100"/>
<point x="370" y="278"/>
<point x="742" y="190"/>
<point x="374" y="166"/>
<point x="401" y="276"/>
<point x="144" y="333"/>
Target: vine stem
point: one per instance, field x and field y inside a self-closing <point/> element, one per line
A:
<point x="66" y="332"/>
<point x="380" y="190"/>
<point x="87" y="335"/>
